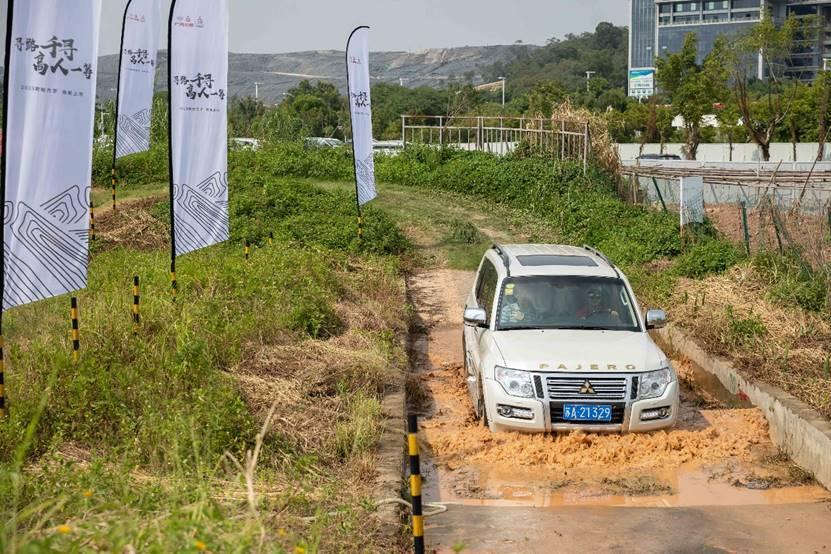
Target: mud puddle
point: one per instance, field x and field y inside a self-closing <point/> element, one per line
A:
<point x="718" y="454"/>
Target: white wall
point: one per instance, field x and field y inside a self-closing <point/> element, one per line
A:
<point x="720" y="152"/>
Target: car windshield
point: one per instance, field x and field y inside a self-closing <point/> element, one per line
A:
<point x="555" y="302"/>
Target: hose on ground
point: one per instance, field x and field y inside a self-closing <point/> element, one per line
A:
<point x="431" y="508"/>
<point x="435" y="507"/>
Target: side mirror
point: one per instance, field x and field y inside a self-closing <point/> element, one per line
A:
<point x="656" y="319"/>
<point x="476" y="317"/>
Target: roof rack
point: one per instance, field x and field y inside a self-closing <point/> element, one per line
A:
<point x="505" y="259"/>
<point x="600" y="255"/>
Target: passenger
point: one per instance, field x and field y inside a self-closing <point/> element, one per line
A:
<point x="515" y="309"/>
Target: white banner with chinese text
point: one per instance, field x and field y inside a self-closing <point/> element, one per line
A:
<point x="360" y="108"/>
<point x="199" y="124"/>
<point x="53" y="64"/>
<point x="137" y="75"/>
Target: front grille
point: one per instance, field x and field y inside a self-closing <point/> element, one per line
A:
<point x="574" y="388"/>
<point x="618" y="411"/>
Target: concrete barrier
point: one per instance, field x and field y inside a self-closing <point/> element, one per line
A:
<point x="795" y="428"/>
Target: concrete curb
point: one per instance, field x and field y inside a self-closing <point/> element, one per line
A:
<point x="390" y="456"/>
<point x="795" y="427"/>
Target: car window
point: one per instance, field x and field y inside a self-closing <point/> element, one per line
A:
<point x="555" y="302"/>
<point x="486" y="288"/>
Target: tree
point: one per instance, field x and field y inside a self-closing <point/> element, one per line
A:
<point x="242" y="112"/>
<point x="763" y="115"/>
<point x="822" y="95"/>
<point x="320" y="107"/>
<point x="730" y="127"/>
<point x="693" y="88"/>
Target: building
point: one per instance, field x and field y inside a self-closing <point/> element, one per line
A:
<point x="658" y="27"/>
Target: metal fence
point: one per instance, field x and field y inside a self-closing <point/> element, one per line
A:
<point x="785" y="212"/>
<point x="560" y="140"/>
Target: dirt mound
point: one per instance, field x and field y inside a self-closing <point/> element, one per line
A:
<point x="133" y="225"/>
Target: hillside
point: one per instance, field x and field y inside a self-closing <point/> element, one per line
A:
<point x="566" y="60"/>
<point x="280" y="72"/>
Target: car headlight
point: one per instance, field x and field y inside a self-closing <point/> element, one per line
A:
<point x="654" y="383"/>
<point x="515" y="383"/>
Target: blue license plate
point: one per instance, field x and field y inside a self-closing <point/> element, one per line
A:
<point x="587" y="412"/>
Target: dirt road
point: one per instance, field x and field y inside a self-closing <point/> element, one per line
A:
<point x="713" y="484"/>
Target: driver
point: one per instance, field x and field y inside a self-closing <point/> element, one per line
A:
<point x="596" y="306"/>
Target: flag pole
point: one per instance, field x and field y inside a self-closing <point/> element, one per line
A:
<point x="4" y="409"/>
<point x="173" y="283"/>
<point x="117" y="98"/>
<point x="352" y="126"/>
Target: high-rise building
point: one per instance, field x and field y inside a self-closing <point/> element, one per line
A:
<point x="659" y="27"/>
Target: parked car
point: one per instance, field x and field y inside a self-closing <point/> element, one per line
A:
<point x="554" y="340"/>
<point x="245" y="144"/>
<point x="658" y="157"/>
<point x="323" y="142"/>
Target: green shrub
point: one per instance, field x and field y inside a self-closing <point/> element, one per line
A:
<point x="711" y="256"/>
<point x="464" y="232"/>
<point x="308" y="215"/>
<point x="744" y="331"/>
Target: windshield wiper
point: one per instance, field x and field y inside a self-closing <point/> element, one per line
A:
<point x="521" y="328"/>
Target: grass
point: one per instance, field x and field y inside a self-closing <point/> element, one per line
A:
<point x="132" y="447"/>
<point x="450" y="229"/>
<point x="102" y="197"/>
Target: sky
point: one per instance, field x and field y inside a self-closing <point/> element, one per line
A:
<point x="273" y="26"/>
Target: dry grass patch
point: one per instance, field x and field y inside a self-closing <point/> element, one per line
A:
<point x="133" y="225"/>
<point x="786" y="347"/>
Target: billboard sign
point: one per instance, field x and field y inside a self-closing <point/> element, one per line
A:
<point x="642" y="82"/>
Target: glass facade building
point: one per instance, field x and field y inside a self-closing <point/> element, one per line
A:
<point x="658" y="27"/>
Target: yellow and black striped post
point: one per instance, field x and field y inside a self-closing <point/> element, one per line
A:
<point x="174" y="286"/>
<point x="91" y="221"/>
<point x="415" y="483"/>
<point x="271" y="238"/>
<point x="76" y="334"/>
<point x="360" y="228"/>
<point x="4" y="412"/>
<point x="136" y="305"/>
<point x="247" y="249"/>
<point x="113" y="189"/>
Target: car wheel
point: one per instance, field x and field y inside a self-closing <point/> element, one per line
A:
<point x="481" y="410"/>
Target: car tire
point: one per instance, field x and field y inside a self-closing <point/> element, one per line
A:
<point x="482" y="413"/>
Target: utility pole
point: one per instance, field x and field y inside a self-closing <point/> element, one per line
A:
<point x="503" y="90"/>
<point x="589" y="78"/>
<point x="257" y="90"/>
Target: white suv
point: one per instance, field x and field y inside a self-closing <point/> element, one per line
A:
<point x="554" y="340"/>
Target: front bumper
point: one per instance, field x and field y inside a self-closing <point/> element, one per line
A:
<point x="628" y="418"/>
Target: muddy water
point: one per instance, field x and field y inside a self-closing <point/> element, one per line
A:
<point x="718" y="455"/>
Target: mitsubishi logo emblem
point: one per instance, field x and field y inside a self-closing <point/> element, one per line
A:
<point x="587" y="388"/>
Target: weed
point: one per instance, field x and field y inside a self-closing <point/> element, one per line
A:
<point x="792" y="282"/>
<point x="743" y="331"/>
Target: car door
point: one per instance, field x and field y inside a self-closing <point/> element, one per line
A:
<point x="476" y="337"/>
